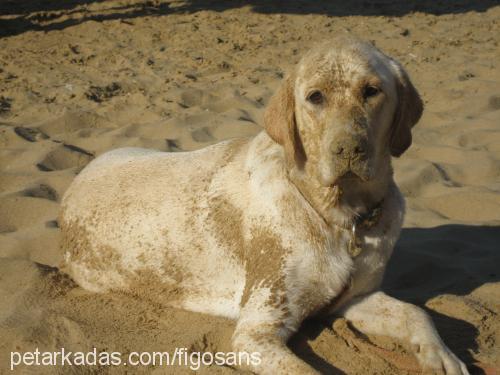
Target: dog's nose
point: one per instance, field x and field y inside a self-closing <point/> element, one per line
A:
<point x="350" y="148"/>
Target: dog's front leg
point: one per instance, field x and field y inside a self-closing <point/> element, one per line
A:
<point x="377" y="313"/>
<point x="262" y="332"/>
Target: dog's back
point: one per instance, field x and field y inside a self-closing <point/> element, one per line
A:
<point x="136" y="220"/>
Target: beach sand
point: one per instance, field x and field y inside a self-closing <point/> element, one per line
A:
<point x="78" y="78"/>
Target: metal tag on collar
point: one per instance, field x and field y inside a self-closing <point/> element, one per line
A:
<point x="354" y="248"/>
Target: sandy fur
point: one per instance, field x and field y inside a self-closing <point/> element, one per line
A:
<point x="258" y="229"/>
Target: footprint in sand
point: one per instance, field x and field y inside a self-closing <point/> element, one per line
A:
<point x="5" y="105"/>
<point x="420" y="175"/>
<point x="42" y="191"/>
<point x="65" y="157"/>
<point x="173" y="145"/>
<point x="73" y="122"/>
<point x="194" y="98"/>
<point x="7" y="228"/>
<point x="494" y="102"/>
<point x="52" y="224"/>
<point x="99" y="94"/>
<point x="203" y="135"/>
<point x="30" y="134"/>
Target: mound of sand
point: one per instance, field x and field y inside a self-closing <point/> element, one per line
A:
<point x="79" y="78"/>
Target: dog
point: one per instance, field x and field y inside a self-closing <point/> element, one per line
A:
<point x="298" y="221"/>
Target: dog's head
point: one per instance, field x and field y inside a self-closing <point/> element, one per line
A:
<point x="343" y="111"/>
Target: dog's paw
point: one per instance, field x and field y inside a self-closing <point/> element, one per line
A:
<point x="439" y="359"/>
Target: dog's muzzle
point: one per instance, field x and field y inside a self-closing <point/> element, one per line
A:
<point x="352" y="148"/>
<point x="348" y="157"/>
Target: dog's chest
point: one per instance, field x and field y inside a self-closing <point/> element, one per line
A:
<point x="369" y="251"/>
<point x="344" y="273"/>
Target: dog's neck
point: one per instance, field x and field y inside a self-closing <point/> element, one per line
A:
<point x="347" y="203"/>
<point x="341" y="205"/>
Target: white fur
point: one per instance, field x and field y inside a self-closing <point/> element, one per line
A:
<point x="134" y="212"/>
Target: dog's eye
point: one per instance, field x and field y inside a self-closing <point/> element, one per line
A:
<point x="370" y="91"/>
<point x="315" y="97"/>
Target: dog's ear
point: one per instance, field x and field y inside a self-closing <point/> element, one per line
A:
<point x="408" y="112"/>
<point x="279" y="122"/>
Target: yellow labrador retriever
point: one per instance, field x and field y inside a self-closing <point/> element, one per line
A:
<point x="297" y="221"/>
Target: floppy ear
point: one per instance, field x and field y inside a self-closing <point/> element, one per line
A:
<point x="408" y="112"/>
<point x="279" y="122"/>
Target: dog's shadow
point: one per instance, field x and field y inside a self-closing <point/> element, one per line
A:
<point x="450" y="260"/>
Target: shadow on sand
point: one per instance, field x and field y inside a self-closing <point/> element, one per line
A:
<point x="427" y="262"/>
<point x="18" y="16"/>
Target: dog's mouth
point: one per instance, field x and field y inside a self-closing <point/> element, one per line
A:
<point x="350" y="176"/>
<point x="338" y="171"/>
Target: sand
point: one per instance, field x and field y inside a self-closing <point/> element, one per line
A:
<point x="78" y="78"/>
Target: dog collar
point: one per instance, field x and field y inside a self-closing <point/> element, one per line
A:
<point x="366" y="221"/>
